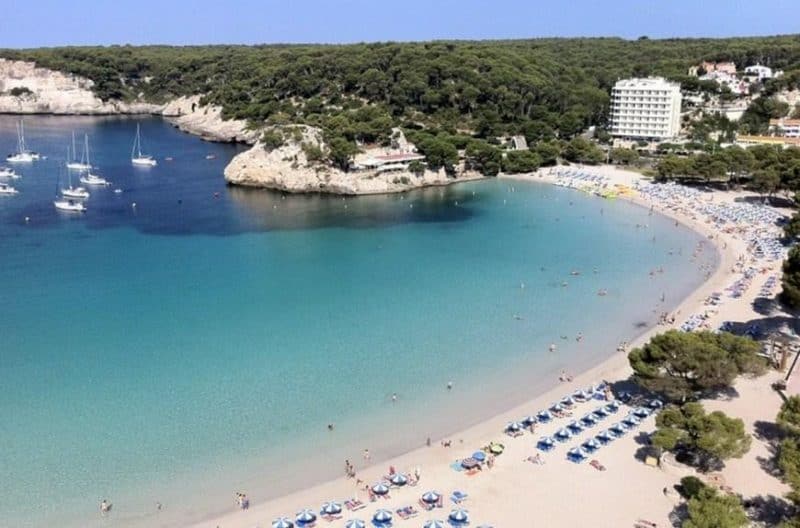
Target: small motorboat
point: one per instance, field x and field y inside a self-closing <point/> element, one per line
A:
<point x="7" y="189"/>
<point x="70" y="205"/>
<point x="8" y="172"/>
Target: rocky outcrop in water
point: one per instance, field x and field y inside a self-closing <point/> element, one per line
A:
<point x="288" y="169"/>
<point x="207" y="121"/>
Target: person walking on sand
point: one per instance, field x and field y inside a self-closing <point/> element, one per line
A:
<point x="417" y="473"/>
<point x="105" y="507"/>
<point x="366" y="455"/>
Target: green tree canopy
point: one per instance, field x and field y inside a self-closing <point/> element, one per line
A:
<point x="791" y="279"/>
<point x="684" y="365"/>
<point x="712" y="510"/>
<point x="521" y="161"/>
<point x="706" y="439"/>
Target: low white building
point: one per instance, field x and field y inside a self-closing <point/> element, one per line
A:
<point x="789" y="128"/>
<point x="648" y="108"/>
<point x="760" y="73"/>
<point x="734" y="84"/>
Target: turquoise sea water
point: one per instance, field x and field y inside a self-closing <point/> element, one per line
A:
<point x="199" y="344"/>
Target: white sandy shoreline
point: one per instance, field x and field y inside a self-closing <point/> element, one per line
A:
<point x="495" y="494"/>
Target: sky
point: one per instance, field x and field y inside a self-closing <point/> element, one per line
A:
<point x="35" y="23"/>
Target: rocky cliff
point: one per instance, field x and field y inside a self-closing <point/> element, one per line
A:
<point x="26" y="89"/>
<point x="288" y="168"/>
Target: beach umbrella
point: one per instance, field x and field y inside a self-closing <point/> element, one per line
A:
<point x="544" y="416"/>
<point x="576" y="455"/>
<point x="567" y="401"/>
<point x="574" y="427"/>
<point x="496" y="449"/>
<point x="513" y="427"/>
<point x="433" y="524"/>
<point x="331" y="508"/>
<point x="589" y="420"/>
<point x="480" y="456"/>
<point x="282" y="522"/>
<point x="655" y="404"/>
<point x="604" y="437"/>
<point x="355" y="523"/>
<point x="528" y="421"/>
<point x="591" y="445"/>
<point x="557" y="407"/>
<point x="431" y="497"/>
<point x="617" y="430"/>
<point x="545" y="443"/>
<point x="305" y="516"/>
<point x="469" y="463"/>
<point x="581" y="395"/>
<point x="459" y="516"/>
<point x="612" y="407"/>
<point x="642" y="412"/>
<point x="382" y="517"/>
<point x="398" y="479"/>
<point x="563" y="434"/>
<point x="380" y="489"/>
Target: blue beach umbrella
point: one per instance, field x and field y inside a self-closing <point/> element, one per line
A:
<point x="591" y="445"/>
<point x="631" y="421"/>
<point x="545" y="443"/>
<point x="618" y="430"/>
<point x="305" y="516"/>
<point x="528" y="421"/>
<point x="567" y="401"/>
<point x="459" y="516"/>
<point x="513" y="427"/>
<point x="431" y="497"/>
<point x="544" y="416"/>
<point x="282" y="522"/>
<point x="642" y="412"/>
<point x="604" y="437"/>
<point x="576" y="455"/>
<point x="380" y="489"/>
<point x="563" y="434"/>
<point x="557" y="408"/>
<point x="382" y="517"/>
<point x="355" y="523"/>
<point x="398" y="479"/>
<point x="480" y="456"/>
<point x="433" y="524"/>
<point x="612" y="408"/>
<point x="574" y="427"/>
<point x="589" y="420"/>
<point x="331" y="508"/>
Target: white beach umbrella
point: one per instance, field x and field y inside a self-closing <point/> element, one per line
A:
<point x="459" y="516"/>
<point x="305" y="516"/>
<point x="398" y="479"/>
<point x="380" y="489"/>
<point x="331" y="508"/>
<point x="355" y="523"/>
<point x="382" y="516"/>
<point x="433" y="524"/>
<point x="431" y="497"/>
<point x="282" y="522"/>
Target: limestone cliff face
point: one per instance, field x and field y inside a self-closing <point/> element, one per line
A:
<point x="288" y="169"/>
<point x="54" y="92"/>
<point x="207" y="122"/>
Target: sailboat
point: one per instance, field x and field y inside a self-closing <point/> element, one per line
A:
<point x="78" y="193"/>
<point x="23" y="155"/>
<point x="89" y="178"/>
<point x="137" y="158"/>
<point x="83" y="164"/>
<point x="68" y="204"/>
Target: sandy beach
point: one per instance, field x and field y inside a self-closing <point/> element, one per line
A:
<point x="516" y="492"/>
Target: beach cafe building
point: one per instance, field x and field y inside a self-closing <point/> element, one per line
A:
<point x="388" y="162"/>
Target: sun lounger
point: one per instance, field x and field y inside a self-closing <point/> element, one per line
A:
<point x="425" y="506"/>
<point x="354" y="504"/>
<point x="407" y="512"/>
<point x="597" y="465"/>
<point x="458" y="497"/>
<point x="331" y="518"/>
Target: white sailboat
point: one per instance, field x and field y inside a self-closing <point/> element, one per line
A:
<point x="83" y="164"/>
<point x="23" y="155"/>
<point x="7" y="189"/>
<point x="137" y="158"/>
<point x="78" y="193"/>
<point x="88" y="178"/>
<point x="8" y="172"/>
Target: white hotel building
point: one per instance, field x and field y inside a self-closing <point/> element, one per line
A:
<point x="647" y="109"/>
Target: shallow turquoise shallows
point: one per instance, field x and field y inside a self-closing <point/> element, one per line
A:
<point x="201" y="342"/>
